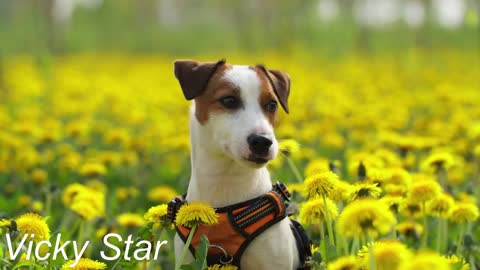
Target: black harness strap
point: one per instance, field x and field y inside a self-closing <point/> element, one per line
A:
<point x="303" y="245"/>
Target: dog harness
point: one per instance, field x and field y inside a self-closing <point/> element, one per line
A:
<point x="240" y="223"/>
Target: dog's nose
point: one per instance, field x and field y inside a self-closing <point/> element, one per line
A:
<point x="259" y="145"/>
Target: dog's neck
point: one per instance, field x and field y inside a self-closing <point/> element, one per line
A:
<point x="219" y="180"/>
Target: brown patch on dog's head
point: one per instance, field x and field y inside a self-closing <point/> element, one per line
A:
<point x="205" y="83"/>
<point x="267" y="95"/>
<point x="280" y="82"/>
<point x="202" y="81"/>
<point x="194" y="76"/>
<point x="207" y="103"/>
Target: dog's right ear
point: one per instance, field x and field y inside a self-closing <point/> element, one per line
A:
<point x="194" y="76"/>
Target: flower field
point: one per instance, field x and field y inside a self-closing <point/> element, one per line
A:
<point x="381" y="154"/>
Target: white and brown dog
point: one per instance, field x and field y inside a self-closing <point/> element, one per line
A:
<point x="232" y="139"/>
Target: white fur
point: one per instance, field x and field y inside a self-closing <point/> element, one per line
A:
<point x="221" y="175"/>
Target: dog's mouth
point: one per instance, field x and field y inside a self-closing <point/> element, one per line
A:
<point x="257" y="159"/>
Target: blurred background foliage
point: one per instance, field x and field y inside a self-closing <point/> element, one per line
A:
<point x="191" y="27"/>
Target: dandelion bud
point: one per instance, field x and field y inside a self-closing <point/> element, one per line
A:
<point x="332" y="167"/>
<point x="362" y="172"/>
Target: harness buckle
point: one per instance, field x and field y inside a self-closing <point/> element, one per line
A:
<point x="225" y="258"/>
<point x="283" y="190"/>
<point x="173" y="206"/>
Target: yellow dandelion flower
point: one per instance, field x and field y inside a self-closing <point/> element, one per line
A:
<point x="393" y="202"/>
<point x="321" y="184"/>
<point x="108" y="158"/>
<point x="316" y="166"/>
<point x="476" y="151"/>
<point x="130" y="220"/>
<point x="89" y="204"/>
<point x="48" y="136"/>
<point x="196" y="213"/>
<point x="467" y="198"/>
<point x="389" y="157"/>
<point x="84" y="210"/>
<point x="161" y="194"/>
<point x="439" y="160"/>
<point x="93" y="170"/>
<point x="277" y="162"/>
<point x="36" y="206"/>
<point x="464" y="212"/>
<point x="417" y="177"/>
<point x="156" y="214"/>
<point x="314" y="211"/>
<point x="378" y="176"/>
<point x="457" y="175"/>
<point x="129" y="158"/>
<point x="364" y="190"/>
<point x="410" y="209"/>
<point x="457" y="262"/>
<point x="289" y="147"/>
<point x="97" y="185"/>
<point x="365" y="217"/>
<point x="24" y="200"/>
<point x="31" y="223"/>
<point x="39" y="176"/>
<point x="84" y="264"/>
<point x="70" y="192"/>
<point x="424" y="191"/>
<point x="121" y="193"/>
<point x="399" y="182"/>
<point x="76" y="128"/>
<point x="295" y="188"/>
<point x="474" y="131"/>
<point x="425" y="260"/>
<point x="71" y="161"/>
<point x="410" y="229"/>
<point x="359" y="164"/>
<point x="388" y="255"/>
<point x="222" y="267"/>
<point x="344" y="263"/>
<point x="440" y="206"/>
<point x="101" y="232"/>
<point x="117" y="136"/>
<point x="341" y="192"/>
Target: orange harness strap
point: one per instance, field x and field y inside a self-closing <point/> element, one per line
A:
<point x="238" y="224"/>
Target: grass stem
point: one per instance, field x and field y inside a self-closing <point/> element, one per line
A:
<point x="295" y="171"/>
<point x="186" y="247"/>
<point x="329" y="221"/>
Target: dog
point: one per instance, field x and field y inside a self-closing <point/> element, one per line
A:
<point x="232" y="139"/>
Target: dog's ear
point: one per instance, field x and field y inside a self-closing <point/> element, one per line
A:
<point x="194" y="76"/>
<point x="281" y="84"/>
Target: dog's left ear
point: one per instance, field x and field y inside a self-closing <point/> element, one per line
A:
<point x="194" y="76"/>
<point x="280" y="82"/>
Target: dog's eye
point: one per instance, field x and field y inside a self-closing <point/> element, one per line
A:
<point x="271" y="106"/>
<point x="230" y="102"/>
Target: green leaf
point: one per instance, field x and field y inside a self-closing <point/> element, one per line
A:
<point x="317" y="257"/>
<point x="145" y="233"/>
<point x="187" y="267"/>
<point x="201" y="252"/>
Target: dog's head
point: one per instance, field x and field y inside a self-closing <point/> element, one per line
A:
<point x="237" y="107"/>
